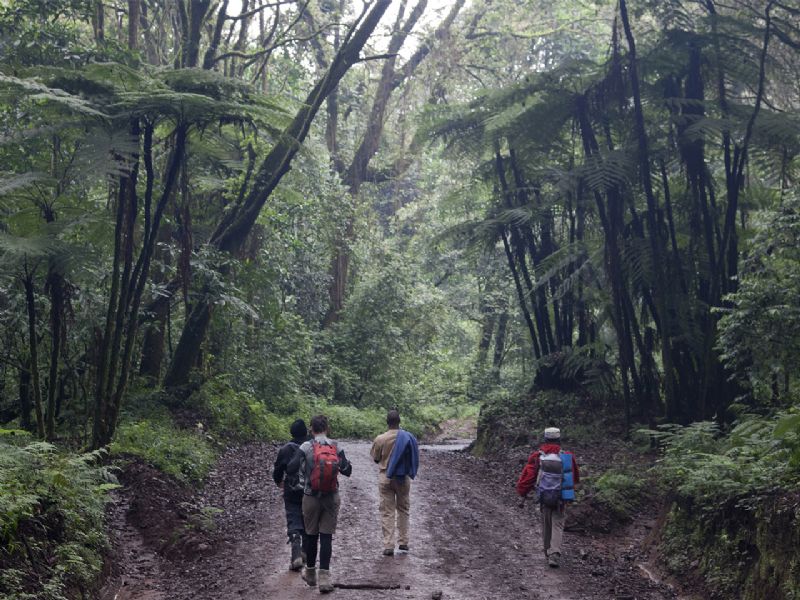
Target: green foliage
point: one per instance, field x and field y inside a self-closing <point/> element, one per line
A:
<point x="231" y="415"/>
<point x="51" y="520"/>
<point x="709" y="470"/>
<point x="734" y="502"/>
<point x="747" y="552"/>
<point x="510" y="418"/>
<point x="187" y="455"/>
<point x="760" y="335"/>
<point x="619" y="492"/>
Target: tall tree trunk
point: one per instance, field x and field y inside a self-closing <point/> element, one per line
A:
<point x="356" y="174"/>
<point x="55" y="283"/>
<point x="499" y="344"/>
<point x="30" y="304"/>
<point x="233" y="230"/>
<point x="129" y="277"/>
<point x="487" y="328"/>
<point x="519" y="248"/>
<point x="99" y="21"/>
<point x="610" y="216"/>
<point x="521" y="296"/>
<point x="134" y="16"/>
<point x="656" y="241"/>
<point x="24" y="391"/>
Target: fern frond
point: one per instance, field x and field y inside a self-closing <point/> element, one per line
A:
<point x="12" y="87"/>
<point x="10" y="183"/>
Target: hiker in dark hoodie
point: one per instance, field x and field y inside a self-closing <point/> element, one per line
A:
<point x="554" y="475"/>
<point x="397" y="455"/>
<point x="320" y="460"/>
<point x="292" y="486"/>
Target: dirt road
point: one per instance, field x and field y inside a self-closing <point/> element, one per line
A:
<point x="469" y="541"/>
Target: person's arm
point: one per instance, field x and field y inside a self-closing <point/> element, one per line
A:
<point x="527" y="478"/>
<point x="375" y="451"/>
<point x="297" y="461"/>
<point x="279" y="470"/>
<point x="345" y="466"/>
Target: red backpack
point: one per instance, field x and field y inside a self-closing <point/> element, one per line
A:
<point x="324" y="468"/>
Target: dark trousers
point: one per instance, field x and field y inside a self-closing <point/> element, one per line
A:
<point x="293" y="503"/>
<point x="325" y="550"/>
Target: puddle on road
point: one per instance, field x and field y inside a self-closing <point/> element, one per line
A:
<point x="447" y="446"/>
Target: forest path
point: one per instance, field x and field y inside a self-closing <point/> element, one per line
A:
<point x="469" y="540"/>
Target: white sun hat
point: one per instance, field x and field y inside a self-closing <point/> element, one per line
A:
<point x="552" y="433"/>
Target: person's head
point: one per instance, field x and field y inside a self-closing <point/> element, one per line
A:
<point x="552" y="435"/>
<point x="298" y="429"/>
<point x="319" y="424"/>
<point x="393" y="418"/>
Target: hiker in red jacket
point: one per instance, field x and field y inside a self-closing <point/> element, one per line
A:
<point x="553" y="473"/>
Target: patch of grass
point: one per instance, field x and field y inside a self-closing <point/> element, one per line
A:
<point x="186" y="455"/>
<point x="235" y="415"/>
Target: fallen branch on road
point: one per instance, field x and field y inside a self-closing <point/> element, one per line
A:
<point x="370" y="586"/>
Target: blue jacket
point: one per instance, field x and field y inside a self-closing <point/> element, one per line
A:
<point x="405" y="457"/>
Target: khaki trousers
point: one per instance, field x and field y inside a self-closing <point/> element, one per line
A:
<point x="552" y="529"/>
<point x="321" y="513"/>
<point x="395" y="508"/>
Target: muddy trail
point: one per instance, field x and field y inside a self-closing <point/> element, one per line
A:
<point x="470" y="540"/>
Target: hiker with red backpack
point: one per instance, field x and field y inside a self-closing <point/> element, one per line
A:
<point x="553" y="473"/>
<point x="320" y="461"/>
<point x="292" y="486"/>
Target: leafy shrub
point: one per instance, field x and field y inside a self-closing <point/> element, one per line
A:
<point x="734" y="516"/>
<point x="51" y="520"/>
<point x="757" y="456"/>
<point x="516" y="419"/>
<point x="345" y="421"/>
<point x="184" y="454"/>
<point x="234" y="415"/>
<point x="759" y="336"/>
<point x="620" y="493"/>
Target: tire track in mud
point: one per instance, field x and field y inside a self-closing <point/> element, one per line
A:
<point x="469" y="540"/>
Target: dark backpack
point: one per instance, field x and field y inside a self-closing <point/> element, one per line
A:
<point x="292" y="483"/>
<point x="324" y="468"/>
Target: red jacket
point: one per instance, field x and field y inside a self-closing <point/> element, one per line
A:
<point x="527" y="480"/>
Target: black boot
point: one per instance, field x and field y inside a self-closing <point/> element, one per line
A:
<point x="297" y="552"/>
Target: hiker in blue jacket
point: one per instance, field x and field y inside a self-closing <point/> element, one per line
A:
<point x="397" y="454"/>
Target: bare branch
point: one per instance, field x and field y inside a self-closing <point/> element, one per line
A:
<point x="424" y="49"/>
<point x="255" y="11"/>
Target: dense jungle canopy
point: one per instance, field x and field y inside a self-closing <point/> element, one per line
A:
<point x="224" y="214"/>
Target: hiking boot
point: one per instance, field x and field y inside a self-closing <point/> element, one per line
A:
<point x="403" y="547"/>
<point x="297" y="554"/>
<point x="554" y="559"/>
<point x="310" y="576"/>
<point x="388" y="552"/>
<point x="325" y="584"/>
